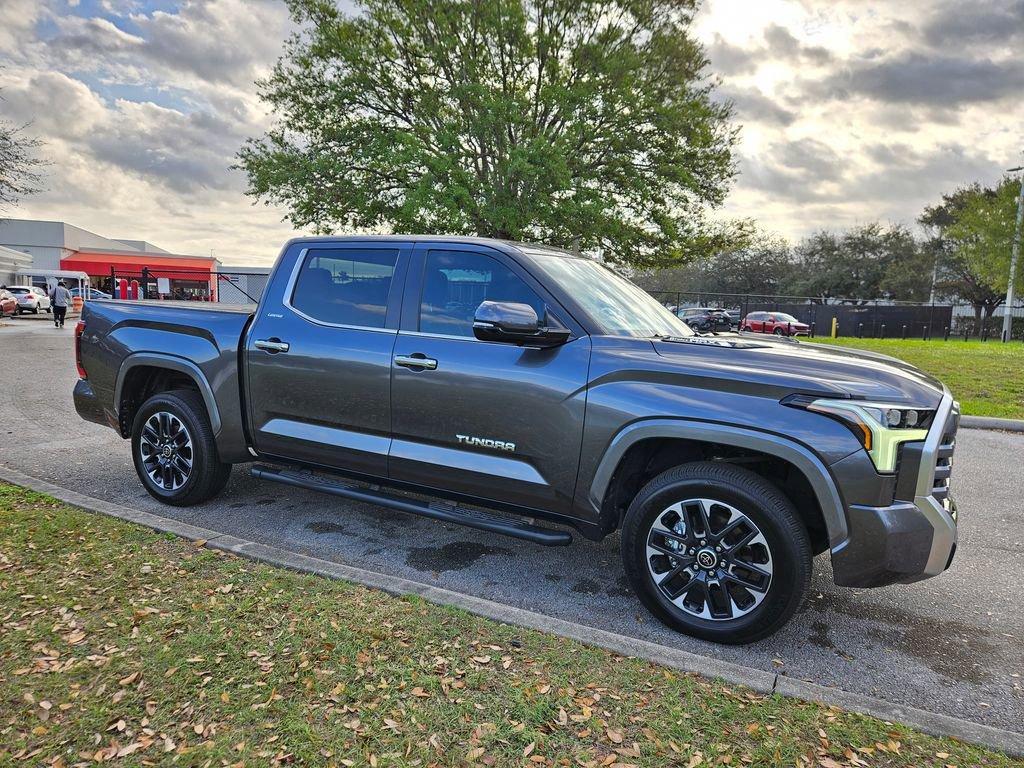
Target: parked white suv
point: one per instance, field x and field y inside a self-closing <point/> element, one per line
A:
<point x="30" y="298"/>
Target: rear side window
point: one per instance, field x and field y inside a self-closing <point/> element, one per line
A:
<point x="346" y="286"/>
<point x="456" y="282"/>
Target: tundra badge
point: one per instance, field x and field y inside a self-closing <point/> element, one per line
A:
<point x="486" y="442"/>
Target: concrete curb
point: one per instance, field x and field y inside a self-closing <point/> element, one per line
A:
<point x="756" y="679"/>
<point x="990" y="422"/>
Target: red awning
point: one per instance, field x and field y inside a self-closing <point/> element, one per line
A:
<point x="172" y="267"/>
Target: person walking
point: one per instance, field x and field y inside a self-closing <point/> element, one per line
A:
<point x="61" y="300"/>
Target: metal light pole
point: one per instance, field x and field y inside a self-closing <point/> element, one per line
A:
<point x="1014" y="253"/>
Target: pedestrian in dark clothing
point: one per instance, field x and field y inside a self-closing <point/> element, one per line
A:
<point x="61" y="300"/>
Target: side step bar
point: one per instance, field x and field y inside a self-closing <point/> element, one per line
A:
<point x="449" y="513"/>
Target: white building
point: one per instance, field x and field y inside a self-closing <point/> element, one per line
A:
<point x="241" y="285"/>
<point x="11" y="261"/>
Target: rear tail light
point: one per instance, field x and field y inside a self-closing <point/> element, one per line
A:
<point x="78" y="349"/>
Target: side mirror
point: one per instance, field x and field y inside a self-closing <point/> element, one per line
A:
<point x="515" y="323"/>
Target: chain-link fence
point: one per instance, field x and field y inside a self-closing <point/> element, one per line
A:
<point x="236" y="288"/>
<point x="876" y="318"/>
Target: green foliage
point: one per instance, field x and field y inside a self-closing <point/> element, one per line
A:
<point x="983" y="232"/>
<point x="972" y="230"/>
<point x="581" y="123"/>
<point x="869" y="261"/>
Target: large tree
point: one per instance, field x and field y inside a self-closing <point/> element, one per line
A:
<point x="971" y="234"/>
<point x="581" y="123"/>
<point x="19" y="163"/>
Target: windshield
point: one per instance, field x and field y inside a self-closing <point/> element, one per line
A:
<point x="785" y="318"/>
<point x="618" y="306"/>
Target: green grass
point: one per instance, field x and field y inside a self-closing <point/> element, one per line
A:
<point x="986" y="377"/>
<point x="121" y="645"/>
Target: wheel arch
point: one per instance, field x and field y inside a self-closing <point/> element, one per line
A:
<point x="144" y="374"/>
<point x="645" y="448"/>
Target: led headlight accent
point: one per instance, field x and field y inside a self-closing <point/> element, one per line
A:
<point x="880" y="427"/>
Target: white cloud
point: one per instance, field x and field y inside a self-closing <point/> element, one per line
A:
<point x="851" y="111"/>
<point x="854" y="111"/>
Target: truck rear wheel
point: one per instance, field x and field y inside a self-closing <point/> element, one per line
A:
<point x="174" y="452"/>
<point x="717" y="552"/>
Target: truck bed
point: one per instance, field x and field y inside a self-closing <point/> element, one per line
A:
<point x="198" y="339"/>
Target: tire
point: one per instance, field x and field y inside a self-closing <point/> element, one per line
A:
<point x="35" y="311"/>
<point x="781" y="535"/>
<point x="779" y="332"/>
<point x="177" y="421"/>
<point x="748" y="329"/>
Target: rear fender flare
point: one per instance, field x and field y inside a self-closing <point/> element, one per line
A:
<point x="824" y="487"/>
<point x="172" y="363"/>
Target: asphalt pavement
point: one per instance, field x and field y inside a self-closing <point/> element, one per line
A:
<point x="952" y="645"/>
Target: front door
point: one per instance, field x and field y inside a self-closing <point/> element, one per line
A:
<point x="486" y="419"/>
<point x="319" y="357"/>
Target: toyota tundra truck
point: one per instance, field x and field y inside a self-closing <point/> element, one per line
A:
<point x="531" y="392"/>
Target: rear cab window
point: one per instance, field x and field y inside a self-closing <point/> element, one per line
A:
<point x="345" y="286"/>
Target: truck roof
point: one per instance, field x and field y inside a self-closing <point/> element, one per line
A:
<point x="526" y="249"/>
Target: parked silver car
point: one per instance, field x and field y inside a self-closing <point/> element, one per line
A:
<point x="30" y="299"/>
<point x="89" y="293"/>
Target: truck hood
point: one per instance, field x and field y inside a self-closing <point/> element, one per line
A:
<point x="804" y="368"/>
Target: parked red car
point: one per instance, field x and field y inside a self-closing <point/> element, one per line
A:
<point x="8" y="304"/>
<point x="778" y="323"/>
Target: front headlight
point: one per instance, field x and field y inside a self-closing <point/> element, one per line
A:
<point x="880" y="427"/>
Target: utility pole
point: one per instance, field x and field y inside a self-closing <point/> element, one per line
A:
<point x="1014" y="253"/>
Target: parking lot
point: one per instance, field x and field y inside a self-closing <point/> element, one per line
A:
<point x="952" y="644"/>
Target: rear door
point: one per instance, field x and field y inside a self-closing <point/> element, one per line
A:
<point x="486" y="419"/>
<point x="319" y="356"/>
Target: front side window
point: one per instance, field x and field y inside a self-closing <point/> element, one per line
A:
<point x="456" y="282"/>
<point x="346" y="286"/>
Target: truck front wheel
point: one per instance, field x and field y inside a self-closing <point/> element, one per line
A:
<point x="174" y="452"/>
<point x="717" y="552"/>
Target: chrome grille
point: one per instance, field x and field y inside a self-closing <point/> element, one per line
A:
<point x="944" y="462"/>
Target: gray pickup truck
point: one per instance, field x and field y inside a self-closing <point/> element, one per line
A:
<point x="428" y="374"/>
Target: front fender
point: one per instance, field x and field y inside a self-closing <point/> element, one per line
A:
<point x="822" y="483"/>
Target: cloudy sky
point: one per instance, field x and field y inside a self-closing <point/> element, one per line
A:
<point x="851" y="111"/>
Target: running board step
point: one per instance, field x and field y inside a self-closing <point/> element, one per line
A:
<point x="449" y="513"/>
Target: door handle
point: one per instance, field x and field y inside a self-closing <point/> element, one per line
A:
<point x="272" y="345"/>
<point x="417" y="360"/>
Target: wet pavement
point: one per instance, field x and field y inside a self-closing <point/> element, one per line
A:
<point x="953" y="644"/>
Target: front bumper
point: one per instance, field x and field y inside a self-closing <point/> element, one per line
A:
<point x="914" y="537"/>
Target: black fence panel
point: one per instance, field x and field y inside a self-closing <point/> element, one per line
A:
<point x="865" y="318"/>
